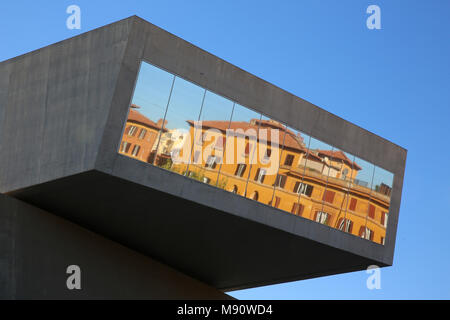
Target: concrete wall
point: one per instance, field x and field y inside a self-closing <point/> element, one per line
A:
<point x="54" y="103"/>
<point x="37" y="247"/>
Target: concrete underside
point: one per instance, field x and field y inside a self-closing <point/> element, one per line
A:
<point x="222" y="250"/>
<point x="36" y="248"/>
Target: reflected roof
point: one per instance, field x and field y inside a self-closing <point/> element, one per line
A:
<point x="339" y="155"/>
<point x="291" y="140"/>
<point x="136" y="116"/>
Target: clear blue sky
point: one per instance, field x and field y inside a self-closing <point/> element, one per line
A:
<point x="394" y="82"/>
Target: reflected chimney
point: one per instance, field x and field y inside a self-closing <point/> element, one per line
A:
<point x="160" y="123"/>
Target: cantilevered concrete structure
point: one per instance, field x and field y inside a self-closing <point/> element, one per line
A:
<point x="71" y="198"/>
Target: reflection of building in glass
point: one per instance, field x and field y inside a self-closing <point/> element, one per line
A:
<point x="170" y="144"/>
<point x="321" y="185"/>
<point x="140" y="136"/>
<point x="242" y="151"/>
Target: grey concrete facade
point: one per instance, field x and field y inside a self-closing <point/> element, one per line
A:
<point x="36" y="248"/>
<point x="62" y="111"/>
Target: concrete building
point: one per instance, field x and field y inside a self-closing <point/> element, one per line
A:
<point x="162" y="171"/>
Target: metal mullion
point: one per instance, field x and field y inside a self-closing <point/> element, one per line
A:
<point x="368" y="205"/>
<point x="253" y="153"/>
<point x="195" y="133"/>
<point x="304" y="170"/>
<point x="348" y="193"/>
<point x="164" y="119"/>
<point x="279" y="164"/>
<point x="224" y="146"/>
<point x="326" y="185"/>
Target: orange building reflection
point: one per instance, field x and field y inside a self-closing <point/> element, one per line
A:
<point x="320" y="185"/>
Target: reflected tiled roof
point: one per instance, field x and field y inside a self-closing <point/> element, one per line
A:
<point x="340" y="156"/>
<point x="136" y="116"/>
<point x="291" y="140"/>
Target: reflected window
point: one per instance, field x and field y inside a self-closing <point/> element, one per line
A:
<point x="260" y="175"/>
<point x="328" y="196"/>
<point x="297" y="209"/>
<point x="142" y="134"/>
<point x="136" y="150"/>
<point x="281" y="181"/>
<point x="345" y="225"/>
<point x="322" y="217"/>
<point x="353" y="203"/>
<point x="289" y="160"/>
<point x="384" y="219"/>
<point x="276" y="202"/>
<point x="303" y="188"/>
<point x="132" y="131"/>
<point x="211" y="162"/>
<point x="371" y="211"/>
<point x="240" y="170"/>
<point x="125" y="147"/>
<point x="366" y="233"/>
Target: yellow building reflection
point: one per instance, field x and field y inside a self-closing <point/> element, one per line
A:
<point x="321" y="185"/>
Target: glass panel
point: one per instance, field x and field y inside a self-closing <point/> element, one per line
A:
<point x="305" y="186"/>
<point x="360" y="196"/>
<point x="173" y="149"/>
<point x="349" y="171"/>
<point x="336" y="200"/>
<point x="318" y="168"/>
<point x="288" y="186"/>
<point x="209" y="139"/>
<point x="380" y="200"/>
<point x="145" y="118"/>
<point x="265" y="162"/>
<point x="240" y="146"/>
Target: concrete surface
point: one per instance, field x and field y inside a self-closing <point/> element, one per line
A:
<point x="36" y="248"/>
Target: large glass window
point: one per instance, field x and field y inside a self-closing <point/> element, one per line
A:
<point x="348" y="173"/>
<point x="146" y="115"/>
<point x="240" y="146"/>
<point x="182" y="127"/>
<point x="265" y="162"/>
<point x="377" y="219"/>
<point x="289" y="184"/>
<point x="335" y="198"/>
<point x="209" y="139"/>
<point x="185" y="104"/>
<point x="360" y="194"/>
